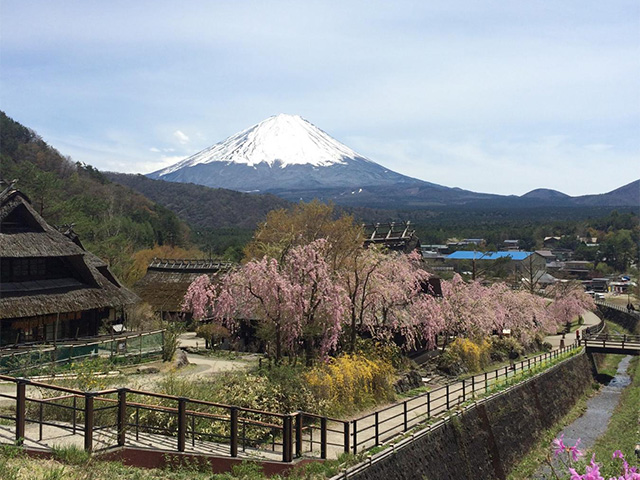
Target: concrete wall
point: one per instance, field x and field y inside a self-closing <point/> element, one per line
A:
<point x="486" y="441"/>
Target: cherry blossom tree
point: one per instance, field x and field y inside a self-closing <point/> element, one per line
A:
<point x="568" y="301"/>
<point x="295" y="302"/>
<point x="466" y="308"/>
<point x="386" y="298"/>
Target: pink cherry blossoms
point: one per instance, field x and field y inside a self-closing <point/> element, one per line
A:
<point x="302" y="304"/>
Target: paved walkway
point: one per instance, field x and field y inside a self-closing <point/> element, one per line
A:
<point x="590" y="320"/>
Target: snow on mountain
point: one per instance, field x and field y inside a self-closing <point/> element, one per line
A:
<point x="280" y="140"/>
<point x="281" y="152"/>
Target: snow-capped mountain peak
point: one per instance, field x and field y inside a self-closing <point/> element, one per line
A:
<point x="283" y="152"/>
<point x="280" y="140"/>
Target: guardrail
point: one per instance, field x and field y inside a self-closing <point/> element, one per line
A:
<point x="128" y="417"/>
<point x="375" y="428"/>
<point x="613" y="342"/>
<point x="620" y="308"/>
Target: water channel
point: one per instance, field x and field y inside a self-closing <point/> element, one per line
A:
<point x="595" y="419"/>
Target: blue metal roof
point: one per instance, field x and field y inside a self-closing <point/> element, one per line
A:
<point x="465" y="255"/>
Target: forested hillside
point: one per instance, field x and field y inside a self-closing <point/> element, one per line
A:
<point x="112" y="221"/>
<point x="204" y="207"/>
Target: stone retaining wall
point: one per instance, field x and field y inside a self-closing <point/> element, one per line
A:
<point x="630" y="322"/>
<point x="486" y="441"/>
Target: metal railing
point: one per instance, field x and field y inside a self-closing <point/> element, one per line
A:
<point x="129" y="417"/>
<point x="620" y="308"/>
<point x="378" y="427"/>
<point x="122" y="416"/>
<point x="607" y="341"/>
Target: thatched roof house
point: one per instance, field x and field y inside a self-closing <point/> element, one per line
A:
<point x="167" y="280"/>
<point x="50" y="286"/>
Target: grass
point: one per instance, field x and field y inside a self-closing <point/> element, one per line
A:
<point x="16" y="465"/>
<point x="622" y="432"/>
<point x="70" y="454"/>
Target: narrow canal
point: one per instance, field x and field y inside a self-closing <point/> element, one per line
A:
<point x="595" y="419"/>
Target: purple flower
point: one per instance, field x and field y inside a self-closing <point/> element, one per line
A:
<point x="558" y="445"/>
<point x="574" y="452"/>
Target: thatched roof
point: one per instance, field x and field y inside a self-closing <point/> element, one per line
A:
<point x="25" y="234"/>
<point x="167" y="280"/>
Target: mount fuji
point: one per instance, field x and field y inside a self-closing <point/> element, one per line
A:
<point x="288" y="156"/>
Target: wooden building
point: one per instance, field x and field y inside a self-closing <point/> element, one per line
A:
<point x="399" y="237"/>
<point x="167" y="280"/>
<point x="51" y="288"/>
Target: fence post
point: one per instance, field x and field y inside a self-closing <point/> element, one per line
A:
<point x="473" y="386"/>
<point x="447" y="396"/>
<point x="75" y="413"/>
<point x="182" y="423"/>
<point x="299" y="419"/>
<point x="287" y="445"/>
<point x="323" y="438"/>
<point x="486" y="382"/>
<point x="234" y="431"/>
<point x="347" y="436"/>
<point x="21" y="409"/>
<point x="41" y="414"/>
<point x="406" y="424"/>
<point x="428" y="404"/>
<point x="464" y="393"/>
<point x="88" y="421"/>
<point x="122" y="416"/>
<point x="377" y="429"/>
<point x="355" y="437"/>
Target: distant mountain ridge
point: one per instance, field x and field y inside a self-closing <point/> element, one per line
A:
<point x="288" y="156"/>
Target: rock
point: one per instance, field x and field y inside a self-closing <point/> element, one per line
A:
<point x="181" y="359"/>
<point x="408" y="381"/>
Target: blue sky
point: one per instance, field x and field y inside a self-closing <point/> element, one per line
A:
<point x="499" y="97"/>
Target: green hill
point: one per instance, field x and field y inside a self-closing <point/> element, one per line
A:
<point x="204" y="207"/>
<point x="112" y="221"/>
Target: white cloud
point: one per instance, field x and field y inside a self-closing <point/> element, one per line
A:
<point x="507" y="166"/>
<point x="181" y="137"/>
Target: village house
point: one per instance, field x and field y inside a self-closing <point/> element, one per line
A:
<point x="166" y="282"/>
<point x="511" y="245"/>
<point x="51" y="288"/>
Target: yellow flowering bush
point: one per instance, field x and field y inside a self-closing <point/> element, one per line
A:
<point x="351" y="382"/>
<point x="465" y="355"/>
